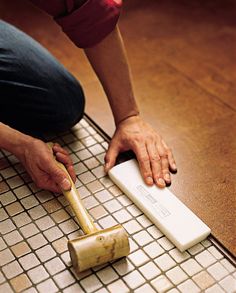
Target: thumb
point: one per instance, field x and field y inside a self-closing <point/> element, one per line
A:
<point x="111" y="155"/>
<point x="59" y="176"/>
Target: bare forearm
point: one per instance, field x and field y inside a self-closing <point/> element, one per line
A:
<point x="11" y="139"/>
<point x="109" y="61"/>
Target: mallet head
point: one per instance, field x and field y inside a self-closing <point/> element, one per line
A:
<point x="98" y="248"/>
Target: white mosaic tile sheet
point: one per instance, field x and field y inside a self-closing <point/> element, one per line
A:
<point x="35" y="226"/>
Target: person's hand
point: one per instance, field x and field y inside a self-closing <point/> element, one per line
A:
<point x="37" y="158"/>
<point x="154" y="156"/>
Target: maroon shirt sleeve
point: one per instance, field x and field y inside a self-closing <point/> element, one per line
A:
<point x="85" y="24"/>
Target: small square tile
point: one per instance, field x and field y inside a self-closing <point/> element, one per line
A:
<point x="115" y="190"/>
<point x="153" y="249"/>
<point x="107" y="275"/>
<point x="196" y="249"/>
<point x="21" y="219"/>
<point x="206" y="243"/>
<point x="122" y="216"/>
<point x="165" y="243"/>
<point x="145" y="288"/>
<point x="81" y="133"/>
<point x="176" y="275"/>
<point x="44" y="223"/>
<point x="7" y="198"/>
<point x="217" y="271"/>
<point x="54" y="266"/>
<point x="228" y="284"/>
<point x="8" y="172"/>
<point x="60" y="216"/>
<point x="95" y="186"/>
<point x="64" y="279"/>
<point x="52" y="205"/>
<point x="107" y="222"/>
<point x="161" y="284"/>
<point x="191" y="267"/>
<point x="205" y="258"/>
<point x="103" y="196"/>
<point x="37" y="212"/>
<point x="13" y="238"/>
<point x="29" y="202"/>
<point x="20" y="249"/>
<point x="132" y="227"/>
<point x="165" y="262"/>
<point x="20" y="283"/>
<point x="96" y="149"/>
<point x="134" y="279"/>
<point x="15" y="182"/>
<point x="144" y="221"/>
<point x="80" y="168"/>
<point x="142" y="238"/>
<point x="83" y="191"/>
<point x="189" y="286"/>
<point x="83" y="154"/>
<point x="229" y="267"/>
<point x="6" y="288"/>
<point x="47" y="286"/>
<point x="179" y="256"/>
<point x="91" y="283"/>
<point x="214" y="289"/>
<point x="112" y="205"/>
<point x="134" y="211"/>
<point x="203" y="280"/>
<point x="154" y="232"/>
<point x="91" y="163"/>
<point x="123" y="266"/>
<point x="99" y="172"/>
<point x="29" y="230"/>
<point x="215" y="252"/>
<point x="150" y="270"/>
<point x="98" y="212"/>
<point x="29" y="261"/>
<point x="14" y="208"/>
<point x="138" y="258"/>
<point x="12" y="269"/>
<point x="6" y="256"/>
<point x="44" y="195"/>
<point x="6" y="226"/>
<point x="22" y="191"/>
<point x="86" y="177"/>
<point x="37" y="241"/>
<point x="106" y="181"/>
<point x="45" y="253"/>
<point x="90" y="202"/>
<point x="69" y="226"/>
<point x="60" y="245"/>
<point x="38" y="274"/>
<point x="53" y="234"/>
<point x="118" y="286"/>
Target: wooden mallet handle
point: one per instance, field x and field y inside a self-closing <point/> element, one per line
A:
<point x="85" y="220"/>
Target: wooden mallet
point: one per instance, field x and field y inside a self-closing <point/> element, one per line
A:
<point x="98" y="246"/>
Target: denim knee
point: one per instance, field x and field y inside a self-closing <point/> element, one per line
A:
<point x="69" y="104"/>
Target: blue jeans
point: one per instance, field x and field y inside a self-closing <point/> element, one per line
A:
<point x="37" y="94"/>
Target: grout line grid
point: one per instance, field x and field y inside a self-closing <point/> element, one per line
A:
<point x="36" y="224"/>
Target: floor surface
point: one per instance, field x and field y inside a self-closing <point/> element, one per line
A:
<point x="35" y="226"/>
<point x="182" y="54"/>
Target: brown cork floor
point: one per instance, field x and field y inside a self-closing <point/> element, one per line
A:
<point x="182" y="55"/>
